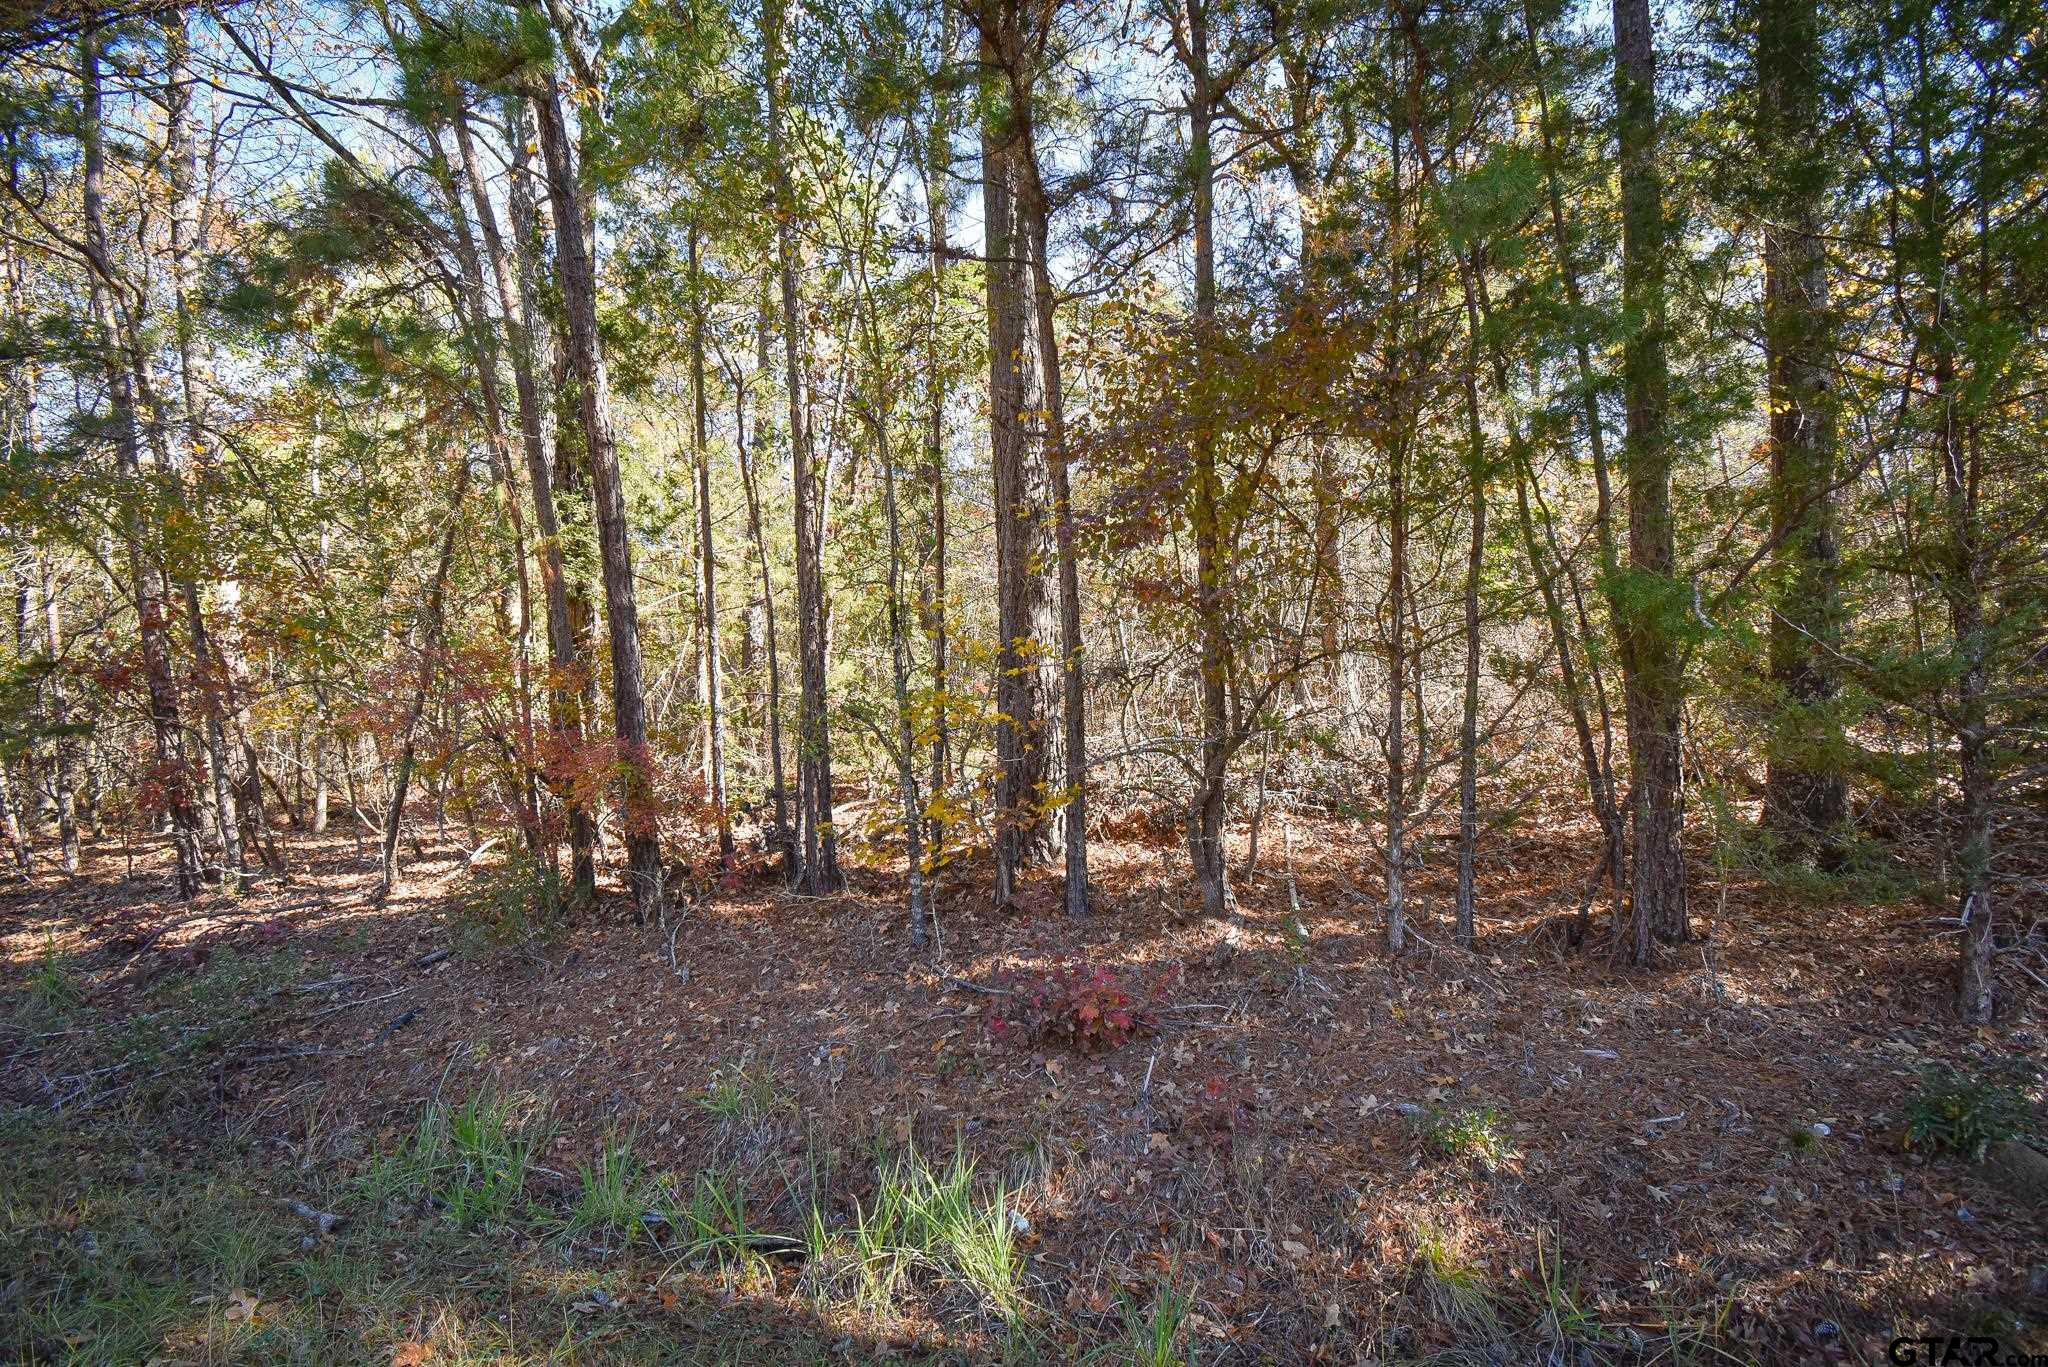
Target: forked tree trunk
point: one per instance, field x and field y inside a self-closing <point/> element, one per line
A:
<point x="1034" y="215"/>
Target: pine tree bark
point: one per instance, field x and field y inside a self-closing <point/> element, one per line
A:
<point x="1805" y="796"/>
<point x="1017" y="396"/>
<point x="1650" y="652"/>
<point x="1033" y="217"/>
<point x="576" y="269"/>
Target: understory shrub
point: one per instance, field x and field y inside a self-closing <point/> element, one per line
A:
<point x="1085" y="1008"/>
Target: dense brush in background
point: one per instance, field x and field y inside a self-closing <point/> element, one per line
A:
<point x="599" y="430"/>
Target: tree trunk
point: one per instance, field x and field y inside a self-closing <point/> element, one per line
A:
<point x="785" y="834"/>
<point x="899" y="668"/>
<point x="576" y="270"/>
<point x="820" y="873"/>
<point x="1207" y="818"/>
<point x="10" y="824"/>
<point x="63" y="759"/>
<point x="430" y="631"/>
<point x="1033" y="215"/>
<point x="323" y="714"/>
<point x="714" y="687"/>
<point x="63" y="748"/>
<point x="170" y="779"/>
<point x="1649" y="646"/>
<point x="1017" y="392"/>
<point x="1613" y="825"/>
<point x="1475" y="559"/>
<point x="1805" y="796"/>
<point x="483" y="345"/>
<point x="933" y="605"/>
<point x="218" y="670"/>
<point x="515" y="269"/>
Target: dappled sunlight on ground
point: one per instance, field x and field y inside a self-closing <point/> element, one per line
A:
<point x="1327" y="1152"/>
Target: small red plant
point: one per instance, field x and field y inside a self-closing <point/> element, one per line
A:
<point x="1087" y="1008"/>
<point x="1220" y="1111"/>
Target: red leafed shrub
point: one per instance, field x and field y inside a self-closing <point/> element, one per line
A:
<point x="1219" y="1112"/>
<point x="1087" y="1008"/>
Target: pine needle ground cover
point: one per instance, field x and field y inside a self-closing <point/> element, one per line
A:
<point x="290" y="1128"/>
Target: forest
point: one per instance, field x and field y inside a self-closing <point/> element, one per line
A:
<point x="1014" y="680"/>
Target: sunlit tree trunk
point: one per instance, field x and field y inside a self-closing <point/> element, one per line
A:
<point x="63" y="759"/>
<point x="934" y="605"/>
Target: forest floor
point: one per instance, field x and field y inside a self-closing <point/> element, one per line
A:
<point x="296" y="1126"/>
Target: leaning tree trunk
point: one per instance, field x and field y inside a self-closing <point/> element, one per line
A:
<point x="514" y="270"/>
<point x="483" y="330"/>
<point x="1612" y="822"/>
<point x="430" y="631"/>
<point x="577" y="278"/>
<point x="1649" y="645"/>
<point x="171" y="776"/>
